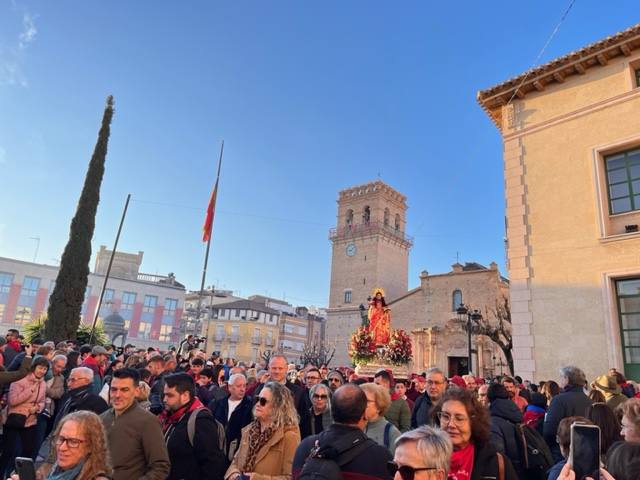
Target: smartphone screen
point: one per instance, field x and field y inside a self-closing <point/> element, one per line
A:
<point x="585" y="451"/>
<point x="25" y="468"/>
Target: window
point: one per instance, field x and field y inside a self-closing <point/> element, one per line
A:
<point x="347" y="296"/>
<point x="23" y="315"/>
<point x="349" y="217"/>
<point x="30" y="286"/>
<point x="457" y="299"/>
<point x="108" y="295"/>
<point x="232" y="351"/>
<point x="150" y="303"/>
<point x="366" y="215"/>
<point x="128" y="299"/>
<point x="170" y="305"/>
<point x="289" y="328"/>
<point x="386" y="217"/>
<point x="397" y="222"/>
<point x="144" y="330"/>
<point x="2" y="309"/>
<point x="623" y="181"/>
<point x="628" y="293"/>
<point x="302" y="330"/>
<point x="637" y="77"/>
<point x="165" y="333"/>
<point x="6" y="279"/>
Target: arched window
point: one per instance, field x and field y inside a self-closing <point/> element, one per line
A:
<point x="366" y="216"/>
<point x="457" y="299"/>
<point x="386" y="217"/>
<point x="397" y="222"/>
<point x="349" y="217"/>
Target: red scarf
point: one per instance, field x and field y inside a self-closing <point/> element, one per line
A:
<point x="168" y="419"/>
<point x="15" y="344"/>
<point x="91" y="361"/>
<point x="462" y="463"/>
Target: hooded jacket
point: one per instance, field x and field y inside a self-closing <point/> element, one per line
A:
<point x="505" y="414"/>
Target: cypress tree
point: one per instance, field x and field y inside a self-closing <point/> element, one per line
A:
<point x="65" y="303"/>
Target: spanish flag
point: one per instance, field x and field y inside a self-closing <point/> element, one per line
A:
<point x="211" y="209"/>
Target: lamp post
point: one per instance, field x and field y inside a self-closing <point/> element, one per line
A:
<point x="472" y="315"/>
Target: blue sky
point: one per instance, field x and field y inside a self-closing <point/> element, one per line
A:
<point x="310" y="98"/>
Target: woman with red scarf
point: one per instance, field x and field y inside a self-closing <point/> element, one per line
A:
<point x="466" y="422"/>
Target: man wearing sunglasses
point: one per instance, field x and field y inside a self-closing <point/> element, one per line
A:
<point x="421" y="454"/>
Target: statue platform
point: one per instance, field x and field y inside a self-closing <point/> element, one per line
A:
<point x="370" y="369"/>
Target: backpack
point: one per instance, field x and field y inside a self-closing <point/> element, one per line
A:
<point x="191" y="428"/>
<point x="325" y="461"/>
<point x="535" y="456"/>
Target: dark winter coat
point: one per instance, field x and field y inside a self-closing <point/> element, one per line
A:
<point x="422" y="411"/>
<point x="240" y="418"/>
<point x="568" y="403"/>
<point x="485" y="464"/>
<point x="370" y="464"/>
<point x="156" y="394"/>
<point x="300" y="400"/>
<point x="504" y="436"/>
<point x="202" y="460"/>
<point x="81" y="398"/>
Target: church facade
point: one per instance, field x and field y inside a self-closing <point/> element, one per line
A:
<point x="370" y="250"/>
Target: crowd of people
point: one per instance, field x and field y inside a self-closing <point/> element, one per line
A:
<point x="94" y="413"/>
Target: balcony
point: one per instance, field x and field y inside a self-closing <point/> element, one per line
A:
<point x="256" y="340"/>
<point x="369" y="228"/>
<point x="219" y="337"/>
<point x="269" y="342"/>
<point x="234" y="338"/>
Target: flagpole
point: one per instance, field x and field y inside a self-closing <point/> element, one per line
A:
<point x="206" y="256"/>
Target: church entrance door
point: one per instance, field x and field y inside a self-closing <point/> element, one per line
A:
<point x="458" y="366"/>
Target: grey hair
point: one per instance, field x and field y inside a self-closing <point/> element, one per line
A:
<point x="279" y="355"/>
<point x="434" y="370"/>
<point x="59" y="357"/>
<point x="85" y="371"/>
<point x="574" y="376"/>
<point x="234" y="377"/>
<point x="318" y="386"/>
<point x="433" y="445"/>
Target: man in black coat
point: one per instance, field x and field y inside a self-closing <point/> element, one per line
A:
<point x="80" y="395"/>
<point x="278" y="373"/>
<point x="570" y="402"/>
<point x="348" y="405"/>
<point x="200" y="456"/>
<point x="505" y="414"/>
<point x="436" y="385"/>
<point x="157" y="366"/>
<point x="241" y="414"/>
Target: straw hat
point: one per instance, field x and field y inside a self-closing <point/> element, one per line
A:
<point x="607" y="384"/>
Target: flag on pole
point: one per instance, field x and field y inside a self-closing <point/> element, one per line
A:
<point x="208" y="220"/>
<point x="211" y="209"/>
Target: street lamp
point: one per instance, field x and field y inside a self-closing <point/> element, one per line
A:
<point x="472" y="315"/>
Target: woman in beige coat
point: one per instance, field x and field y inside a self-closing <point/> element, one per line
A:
<point x="269" y="443"/>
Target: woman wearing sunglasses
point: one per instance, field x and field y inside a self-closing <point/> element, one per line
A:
<point x="269" y="443"/>
<point x="467" y="423"/>
<point x="80" y="449"/>
<point x="421" y="454"/>
<point x="320" y="417"/>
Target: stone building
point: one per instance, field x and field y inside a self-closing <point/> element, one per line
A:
<point x="571" y="133"/>
<point x="371" y="249"/>
<point x="428" y="313"/>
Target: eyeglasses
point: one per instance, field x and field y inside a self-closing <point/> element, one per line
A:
<point x="320" y="397"/>
<point x="71" y="442"/>
<point x="262" y="401"/>
<point x="406" y="472"/>
<point x="446" y="418"/>
<point x="313" y="377"/>
<point x="433" y="382"/>
<point x="335" y="380"/>
<point x="74" y="379"/>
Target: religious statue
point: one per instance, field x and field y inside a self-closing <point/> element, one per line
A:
<point x="379" y="318"/>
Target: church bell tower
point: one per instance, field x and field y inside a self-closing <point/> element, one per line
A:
<point x="369" y="249"/>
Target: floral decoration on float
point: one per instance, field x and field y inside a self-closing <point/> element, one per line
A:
<point x="363" y="349"/>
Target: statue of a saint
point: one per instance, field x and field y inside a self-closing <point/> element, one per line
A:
<point x="379" y="318"/>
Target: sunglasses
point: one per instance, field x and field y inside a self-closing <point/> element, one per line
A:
<point x="320" y="397"/>
<point x="406" y="472"/>
<point x="262" y="401"/>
